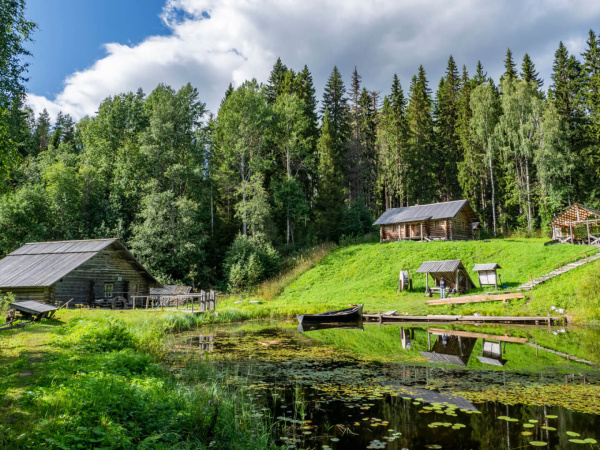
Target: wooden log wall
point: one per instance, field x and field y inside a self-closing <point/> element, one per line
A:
<point x="88" y="281"/>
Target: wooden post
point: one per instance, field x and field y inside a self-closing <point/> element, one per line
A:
<point x="457" y="286"/>
<point x="147" y="301"/>
<point x="571" y="232"/>
<point x="496" y="279"/>
<point x="177" y="300"/>
<point x="429" y="340"/>
<point x="134" y="299"/>
<point x="587" y="224"/>
<point x="421" y="230"/>
<point x="426" y="281"/>
<point x="549" y="322"/>
<point x="192" y="299"/>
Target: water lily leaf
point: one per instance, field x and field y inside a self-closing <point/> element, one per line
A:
<point x="528" y="425"/>
<point x="334" y="439"/>
<point x="526" y="433"/>
<point x="577" y="441"/>
<point x="572" y="433"/>
<point x="549" y="428"/>
<point x="538" y="443"/>
<point x="503" y="417"/>
<point x="533" y="421"/>
<point x="512" y="420"/>
<point x="551" y="417"/>
<point x="591" y="441"/>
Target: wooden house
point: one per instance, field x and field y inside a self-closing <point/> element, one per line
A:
<point x="438" y="221"/>
<point x="84" y="271"/>
<point x="577" y="224"/>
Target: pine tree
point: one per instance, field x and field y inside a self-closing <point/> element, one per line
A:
<point x="591" y="97"/>
<point x="448" y="142"/>
<point x="528" y="73"/>
<point x="42" y="132"/>
<point x="336" y="102"/>
<point x="480" y="75"/>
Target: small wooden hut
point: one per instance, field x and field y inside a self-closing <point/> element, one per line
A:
<point x="450" y="221"/>
<point x="577" y="224"/>
<point x="488" y="275"/>
<point x="492" y="353"/>
<point x="452" y="271"/>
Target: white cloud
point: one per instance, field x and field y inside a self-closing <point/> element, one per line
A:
<point x="215" y="42"/>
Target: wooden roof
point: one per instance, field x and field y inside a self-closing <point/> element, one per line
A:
<point x="32" y="307"/>
<point x="441" y="266"/>
<point x="41" y="264"/>
<point x="487" y="266"/>
<point x="170" y="289"/>
<point x="574" y="213"/>
<point x="419" y="213"/>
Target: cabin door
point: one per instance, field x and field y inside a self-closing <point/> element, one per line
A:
<point x="415" y="230"/>
<point x="126" y="289"/>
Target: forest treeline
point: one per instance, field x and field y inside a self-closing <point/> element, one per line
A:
<point x="216" y="199"/>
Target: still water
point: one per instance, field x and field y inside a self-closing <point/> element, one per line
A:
<point x="413" y="387"/>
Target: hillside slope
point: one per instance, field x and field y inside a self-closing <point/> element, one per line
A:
<point x="368" y="273"/>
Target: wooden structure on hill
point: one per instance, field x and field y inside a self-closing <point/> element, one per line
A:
<point x="577" y="224"/>
<point x="438" y="221"/>
<point x="452" y="271"/>
<point x="86" y="271"/>
<point x="488" y="274"/>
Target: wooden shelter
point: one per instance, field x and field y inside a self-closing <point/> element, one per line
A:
<point x="452" y="271"/>
<point x="488" y="274"/>
<point x="577" y="224"/>
<point x="438" y="221"/>
<point x="85" y="271"/>
<point x="492" y="354"/>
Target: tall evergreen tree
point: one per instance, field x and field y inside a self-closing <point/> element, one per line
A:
<point x="277" y="81"/>
<point x="510" y="68"/>
<point x="336" y="102"/>
<point x="422" y="187"/>
<point x="480" y="74"/>
<point x="529" y="74"/>
<point x="448" y="142"/>
<point x="591" y="97"/>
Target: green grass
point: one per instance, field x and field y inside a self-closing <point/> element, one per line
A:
<point x="368" y="273"/>
<point x="95" y="379"/>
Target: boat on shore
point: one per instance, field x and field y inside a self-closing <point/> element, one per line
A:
<point x="353" y="314"/>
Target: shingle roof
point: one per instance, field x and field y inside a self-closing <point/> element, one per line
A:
<point x="41" y="264"/>
<point x="488" y="266"/>
<point x="417" y="213"/>
<point x="170" y="289"/>
<point x="440" y="266"/>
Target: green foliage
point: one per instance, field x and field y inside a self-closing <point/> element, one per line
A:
<point x="250" y="260"/>
<point x="356" y="220"/>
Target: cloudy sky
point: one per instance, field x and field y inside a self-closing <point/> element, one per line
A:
<point x="85" y="51"/>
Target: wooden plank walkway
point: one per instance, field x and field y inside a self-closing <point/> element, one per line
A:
<point x="557" y="272"/>
<point x="532" y="320"/>
<point x="475" y="299"/>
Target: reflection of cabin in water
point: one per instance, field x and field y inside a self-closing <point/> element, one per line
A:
<point x="577" y="224"/>
<point x="448" y="349"/>
<point x="450" y="221"/>
<point x="492" y="353"/>
<point x="80" y="270"/>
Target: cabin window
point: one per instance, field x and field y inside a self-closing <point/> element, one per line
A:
<point x="460" y="225"/>
<point x="108" y="290"/>
<point x="438" y="224"/>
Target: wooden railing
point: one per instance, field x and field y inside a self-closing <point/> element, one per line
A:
<point x="560" y="264"/>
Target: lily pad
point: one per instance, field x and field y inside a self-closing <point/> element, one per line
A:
<point x="526" y="433"/>
<point x="590" y="441"/>
<point x="577" y="441"/>
<point x="538" y="443"/>
<point x="551" y="417"/>
<point x="572" y="433"/>
<point x="549" y="428"/>
<point x="528" y="425"/>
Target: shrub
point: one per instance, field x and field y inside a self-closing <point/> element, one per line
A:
<point x="250" y="260"/>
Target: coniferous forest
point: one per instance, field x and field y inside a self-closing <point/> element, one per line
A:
<point x="216" y="199"/>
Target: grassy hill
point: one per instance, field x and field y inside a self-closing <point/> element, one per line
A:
<point x="368" y="273"/>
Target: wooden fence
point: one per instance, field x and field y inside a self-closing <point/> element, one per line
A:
<point x="198" y="302"/>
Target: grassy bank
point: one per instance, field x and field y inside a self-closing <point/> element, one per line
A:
<point x="368" y="273"/>
<point x="94" y="379"/>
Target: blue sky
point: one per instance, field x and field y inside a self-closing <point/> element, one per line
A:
<point x="87" y="50"/>
<point x="71" y="35"/>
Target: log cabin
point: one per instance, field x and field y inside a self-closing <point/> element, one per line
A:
<point x="450" y="221"/>
<point x="84" y="271"/>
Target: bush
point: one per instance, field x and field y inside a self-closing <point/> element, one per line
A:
<point x="356" y="220"/>
<point x="250" y="260"/>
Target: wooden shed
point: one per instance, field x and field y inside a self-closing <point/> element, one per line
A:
<point x="438" y="221"/>
<point x="577" y="224"/>
<point x="84" y="271"/>
<point x="452" y="271"/>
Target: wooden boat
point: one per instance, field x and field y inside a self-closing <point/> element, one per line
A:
<point x="353" y="314"/>
<point x="316" y="326"/>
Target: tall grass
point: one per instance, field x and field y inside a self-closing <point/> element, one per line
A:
<point x="294" y="266"/>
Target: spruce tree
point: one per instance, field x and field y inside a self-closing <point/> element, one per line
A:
<point x="529" y="74"/>
<point x="276" y="82"/>
<point x="336" y="102"/>
<point x="510" y="72"/>
<point x="591" y="97"/>
<point x="422" y="187"/>
<point x="329" y="193"/>
<point x="448" y="142"/>
<point x="480" y="75"/>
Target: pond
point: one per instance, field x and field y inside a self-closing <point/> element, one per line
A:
<point x="413" y="386"/>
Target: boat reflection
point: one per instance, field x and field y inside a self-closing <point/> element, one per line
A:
<point x="306" y="327"/>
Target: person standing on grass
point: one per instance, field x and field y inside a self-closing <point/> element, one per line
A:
<point x="443" y="288"/>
